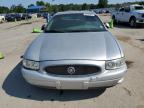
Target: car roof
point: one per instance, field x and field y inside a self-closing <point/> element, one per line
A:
<point x="75" y="12"/>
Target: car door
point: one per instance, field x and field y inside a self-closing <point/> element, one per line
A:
<point x="126" y="14"/>
<point x="120" y="14"/>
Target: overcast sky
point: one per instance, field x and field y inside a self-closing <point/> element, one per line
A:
<point x="27" y="2"/>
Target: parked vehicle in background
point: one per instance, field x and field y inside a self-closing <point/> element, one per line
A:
<point x="39" y="15"/>
<point x="10" y="17"/>
<point x="2" y="18"/>
<point x="13" y="17"/>
<point x="45" y="15"/>
<point x="18" y="16"/>
<point x="33" y="15"/>
<point x="133" y="14"/>
<point x="26" y="16"/>
<point x="103" y="10"/>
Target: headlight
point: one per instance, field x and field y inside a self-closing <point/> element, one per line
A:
<point x="115" y="64"/>
<point x="31" y="64"/>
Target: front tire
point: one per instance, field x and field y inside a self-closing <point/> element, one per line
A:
<point x="132" y="22"/>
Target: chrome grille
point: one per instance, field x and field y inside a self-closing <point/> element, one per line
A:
<point x="72" y="70"/>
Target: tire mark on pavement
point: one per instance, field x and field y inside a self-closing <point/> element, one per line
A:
<point x="128" y="91"/>
<point x="130" y="41"/>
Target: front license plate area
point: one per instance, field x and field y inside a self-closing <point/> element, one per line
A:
<point x="71" y="85"/>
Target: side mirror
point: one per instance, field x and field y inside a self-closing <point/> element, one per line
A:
<point x="43" y="27"/>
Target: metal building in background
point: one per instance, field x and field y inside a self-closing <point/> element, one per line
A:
<point x="36" y="9"/>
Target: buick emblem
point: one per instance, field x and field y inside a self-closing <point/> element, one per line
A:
<point x="71" y="70"/>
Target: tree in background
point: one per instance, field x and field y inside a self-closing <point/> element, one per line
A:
<point x="4" y="9"/>
<point x="103" y="3"/>
<point x="141" y="3"/>
<point x="31" y="5"/>
<point x="40" y="3"/>
<point x="117" y="6"/>
<point x="17" y="9"/>
<point x="85" y="6"/>
<point x="54" y="8"/>
<point x="93" y="6"/>
<point x="61" y="7"/>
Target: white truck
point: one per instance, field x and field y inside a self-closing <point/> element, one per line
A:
<point x="133" y="14"/>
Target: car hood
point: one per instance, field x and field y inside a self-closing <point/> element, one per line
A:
<point x="139" y="11"/>
<point x="74" y="46"/>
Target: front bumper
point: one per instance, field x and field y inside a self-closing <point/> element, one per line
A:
<point x="140" y="21"/>
<point x="105" y="79"/>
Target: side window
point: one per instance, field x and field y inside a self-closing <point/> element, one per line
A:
<point x="121" y="10"/>
<point x="127" y="9"/>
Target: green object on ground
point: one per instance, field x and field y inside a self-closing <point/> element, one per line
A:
<point x="37" y="30"/>
<point x="1" y="55"/>
<point x="111" y="24"/>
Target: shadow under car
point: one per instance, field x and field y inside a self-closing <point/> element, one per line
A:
<point x="15" y="85"/>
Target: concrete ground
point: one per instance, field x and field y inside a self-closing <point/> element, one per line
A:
<point x="16" y="93"/>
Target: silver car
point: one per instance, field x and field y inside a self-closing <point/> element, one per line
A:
<point x="76" y="51"/>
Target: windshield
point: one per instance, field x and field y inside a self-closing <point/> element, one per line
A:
<point x="75" y="23"/>
<point x="139" y="7"/>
